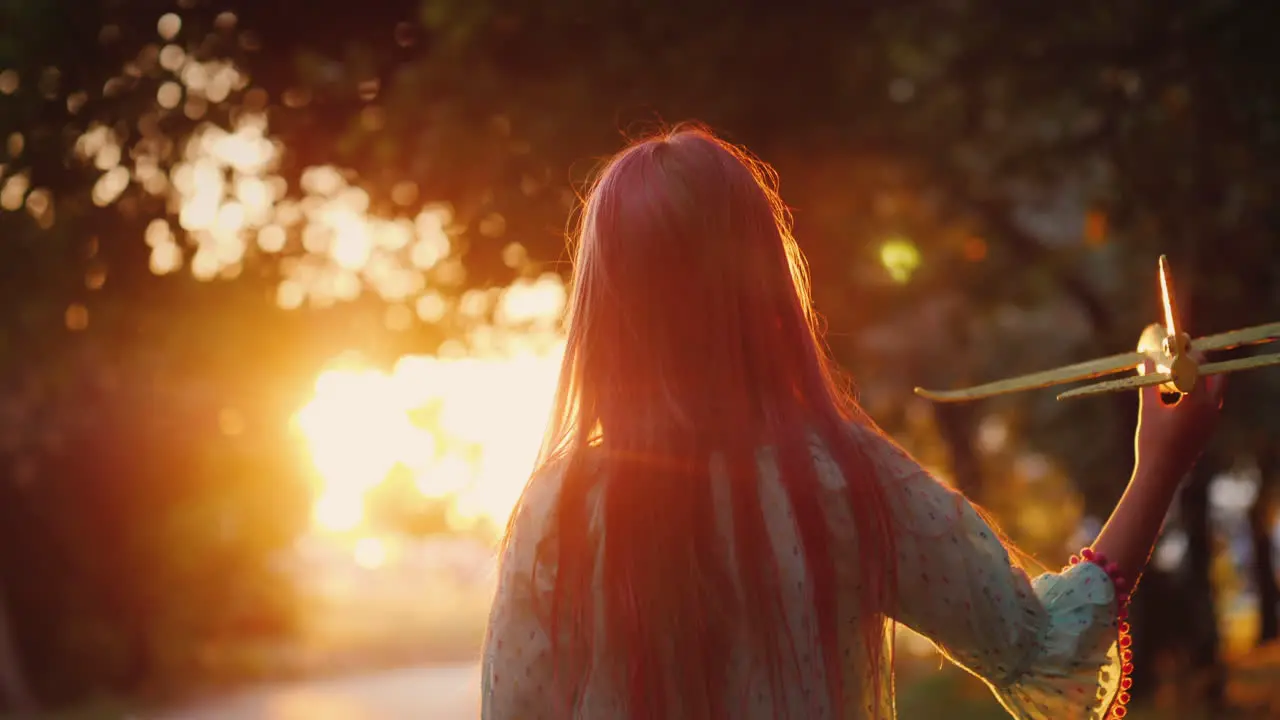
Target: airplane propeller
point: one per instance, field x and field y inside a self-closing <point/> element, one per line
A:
<point x="1166" y="346"/>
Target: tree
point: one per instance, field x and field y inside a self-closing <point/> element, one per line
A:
<point x="1049" y="139"/>
<point x="1015" y="171"/>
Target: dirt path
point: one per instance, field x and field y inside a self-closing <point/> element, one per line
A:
<point x="427" y="693"/>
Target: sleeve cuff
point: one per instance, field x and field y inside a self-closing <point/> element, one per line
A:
<point x="1078" y="668"/>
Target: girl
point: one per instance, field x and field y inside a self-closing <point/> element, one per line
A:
<point x="715" y="530"/>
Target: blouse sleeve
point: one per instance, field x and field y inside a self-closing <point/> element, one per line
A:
<point x="516" y="672"/>
<point x="1047" y="647"/>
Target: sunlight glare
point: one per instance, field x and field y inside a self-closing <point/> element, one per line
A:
<point x="468" y="429"/>
<point x="370" y="553"/>
<point x="467" y="422"/>
<point x="336" y="511"/>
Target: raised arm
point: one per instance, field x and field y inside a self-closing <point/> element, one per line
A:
<point x="1169" y="440"/>
<point x="1048" y="647"/>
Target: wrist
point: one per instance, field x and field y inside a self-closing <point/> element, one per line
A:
<point x="1160" y="468"/>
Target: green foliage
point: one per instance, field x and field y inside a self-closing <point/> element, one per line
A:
<point x="1038" y="162"/>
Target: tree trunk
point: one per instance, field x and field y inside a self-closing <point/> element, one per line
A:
<point x="1143" y="608"/>
<point x="1264" y="575"/>
<point x="956" y="426"/>
<point x="1200" y="638"/>
<point x="15" y="695"/>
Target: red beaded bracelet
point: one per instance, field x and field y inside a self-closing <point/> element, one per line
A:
<point x="1123" y="591"/>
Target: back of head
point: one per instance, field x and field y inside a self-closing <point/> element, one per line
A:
<point x="692" y="343"/>
<point x="690" y="302"/>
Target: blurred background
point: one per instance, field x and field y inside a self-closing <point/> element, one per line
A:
<point x="280" y="283"/>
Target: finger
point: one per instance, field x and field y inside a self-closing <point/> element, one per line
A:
<point x="1150" y="395"/>
<point x="1207" y="395"/>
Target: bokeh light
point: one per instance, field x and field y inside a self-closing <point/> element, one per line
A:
<point x="900" y="257"/>
<point x="466" y="422"/>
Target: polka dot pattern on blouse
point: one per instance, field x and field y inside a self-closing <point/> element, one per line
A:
<point x="1047" y="647"/>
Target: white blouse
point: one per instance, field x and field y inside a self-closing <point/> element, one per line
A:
<point x="1046" y="647"/>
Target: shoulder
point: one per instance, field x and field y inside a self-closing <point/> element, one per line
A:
<point x="530" y="552"/>
<point x="533" y="515"/>
<point x="886" y="458"/>
<point x="912" y="490"/>
<point x="527" y="544"/>
<point x="532" y="529"/>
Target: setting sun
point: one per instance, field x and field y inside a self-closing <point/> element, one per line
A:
<point x="466" y="428"/>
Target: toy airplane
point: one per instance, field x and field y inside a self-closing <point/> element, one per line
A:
<point x="1164" y="345"/>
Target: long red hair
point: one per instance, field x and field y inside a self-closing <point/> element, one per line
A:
<point x="692" y="344"/>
